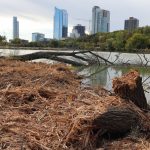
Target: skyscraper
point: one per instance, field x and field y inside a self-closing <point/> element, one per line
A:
<point x="80" y="29"/>
<point x="15" y="28"/>
<point x="131" y="24"/>
<point x="74" y="34"/>
<point x="37" y="37"/>
<point x="100" y="20"/>
<point x="60" y="24"/>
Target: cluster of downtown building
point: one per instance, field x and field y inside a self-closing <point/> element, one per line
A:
<point x="100" y="23"/>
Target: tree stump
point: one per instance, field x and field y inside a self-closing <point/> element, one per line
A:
<point x="129" y="87"/>
<point x="117" y="120"/>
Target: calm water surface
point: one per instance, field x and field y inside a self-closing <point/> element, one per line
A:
<point x="103" y="75"/>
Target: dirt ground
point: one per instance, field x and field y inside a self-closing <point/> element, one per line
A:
<point x="44" y="107"/>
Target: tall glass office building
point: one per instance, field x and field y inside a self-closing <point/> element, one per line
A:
<point x="60" y="24"/>
<point x="38" y="37"/>
<point x="100" y="20"/>
<point x="15" y="28"/>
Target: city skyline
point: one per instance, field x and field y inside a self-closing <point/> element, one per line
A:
<point x="38" y="15"/>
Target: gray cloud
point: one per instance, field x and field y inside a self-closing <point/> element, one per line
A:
<point x="38" y="9"/>
<point x="42" y="11"/>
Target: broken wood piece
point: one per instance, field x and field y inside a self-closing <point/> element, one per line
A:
<point x="129" y="87"/>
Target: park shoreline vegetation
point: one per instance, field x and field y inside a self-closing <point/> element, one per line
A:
<point x="136" y="41"/>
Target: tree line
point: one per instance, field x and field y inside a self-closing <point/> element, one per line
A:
<point x="123" y="41"/>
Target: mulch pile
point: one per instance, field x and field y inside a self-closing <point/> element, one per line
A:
<point x="44" y="107"/>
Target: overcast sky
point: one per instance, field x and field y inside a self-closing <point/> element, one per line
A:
<point x="37" y="15"/>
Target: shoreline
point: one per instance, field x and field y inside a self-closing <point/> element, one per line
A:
<point x="69" y="49"/>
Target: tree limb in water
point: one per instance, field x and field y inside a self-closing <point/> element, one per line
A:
<point x="98" y="56"/>
<point x="80" y="57"/>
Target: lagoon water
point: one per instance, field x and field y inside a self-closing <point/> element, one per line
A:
<point x="103" y="76"/>
<point x="100" y="74"/>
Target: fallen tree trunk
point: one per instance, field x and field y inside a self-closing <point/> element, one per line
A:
<point x="105" y="60"/>
<point x="80" y="58"/>
<point x="48" y="55"/>
<point x="56" y="56"/>
<point x="68" y="61"/>
<point x="130" y="87"/>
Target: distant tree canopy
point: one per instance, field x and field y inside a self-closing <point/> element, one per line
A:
<point x="138" y="41"/>
<point x="2" y="40"/>
<point x="114" y="41"/>
<point x="16" y="41"/>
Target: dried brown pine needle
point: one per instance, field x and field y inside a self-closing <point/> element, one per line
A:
<point x="43" y="107"/>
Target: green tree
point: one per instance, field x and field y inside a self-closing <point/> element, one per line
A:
<point x="146" y="30"/>
<point x="2" y="39"/>
<point x="16" y="41"/>
<point x="137" y="41"/>
<point x="54" y="43"/>
<point x="110" y="44"/>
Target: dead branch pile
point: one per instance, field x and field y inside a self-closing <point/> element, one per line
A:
<point x="43" y="107"/>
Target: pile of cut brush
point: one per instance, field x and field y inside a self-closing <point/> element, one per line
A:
<point x="44" y="107"/>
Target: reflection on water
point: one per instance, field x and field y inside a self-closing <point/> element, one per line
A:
<point x="103" y="75"/>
